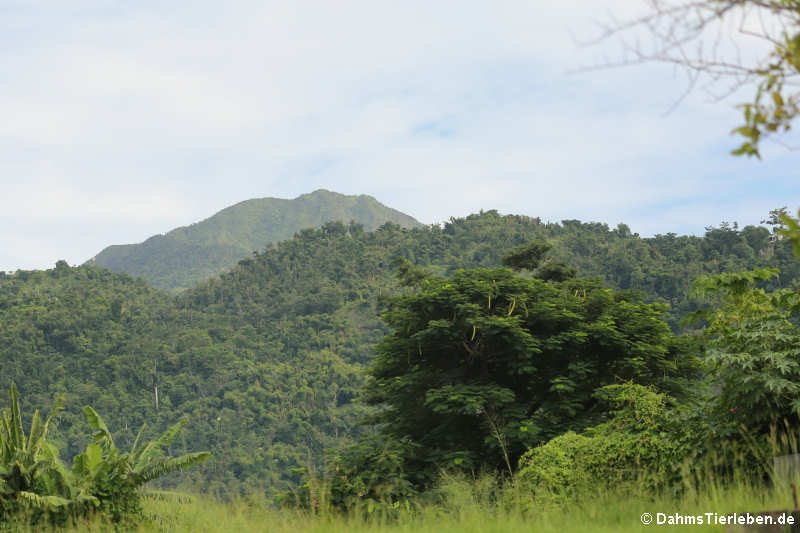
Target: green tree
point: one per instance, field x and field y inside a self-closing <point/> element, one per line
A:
<point x="753" y="351"/>
<point x="267" y="360"/>
<point x="482" y="366"/>
<point x="531" y="257"/>
<point x="526" y="256"/>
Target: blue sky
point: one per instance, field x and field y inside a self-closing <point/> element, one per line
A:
<point x="126" y="119"/>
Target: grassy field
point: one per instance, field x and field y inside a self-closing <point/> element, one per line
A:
<point x="465" y="507"/>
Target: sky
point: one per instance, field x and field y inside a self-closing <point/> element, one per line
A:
<point x="121" y="120"/>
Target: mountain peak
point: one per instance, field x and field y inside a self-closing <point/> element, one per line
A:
<point x="190" y="254"/>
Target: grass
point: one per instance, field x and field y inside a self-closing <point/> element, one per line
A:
<point x="462" y="504"/>
<point x="466" y="506"/>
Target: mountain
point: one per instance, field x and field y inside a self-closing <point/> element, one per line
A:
<point x="188" y="255"/>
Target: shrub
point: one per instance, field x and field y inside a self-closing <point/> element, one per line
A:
<point x="635" y="446"/>
<point x="371" y="474"/>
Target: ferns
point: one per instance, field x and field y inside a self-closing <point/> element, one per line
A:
<point x="36" y="487"/>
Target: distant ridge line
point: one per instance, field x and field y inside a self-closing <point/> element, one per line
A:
<point x="187" y="255"/>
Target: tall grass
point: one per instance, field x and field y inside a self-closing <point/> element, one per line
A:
<point x="723" y="482"/>
<point x="464" y="505"/>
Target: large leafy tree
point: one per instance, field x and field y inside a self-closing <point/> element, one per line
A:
<point x="753" y="351"/>
<point x="481" y="366"/>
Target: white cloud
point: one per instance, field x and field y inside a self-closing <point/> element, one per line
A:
<point x="145" y="116"/>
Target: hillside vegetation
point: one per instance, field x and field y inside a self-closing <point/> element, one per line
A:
<point x="267" y="360"/>
<point x="185" y="256"/>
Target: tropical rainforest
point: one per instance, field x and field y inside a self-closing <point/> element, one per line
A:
<point x="385" y="356"/>
<point x="302" y="365"/>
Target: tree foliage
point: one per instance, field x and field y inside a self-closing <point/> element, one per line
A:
<point x="268" y="359"/>
<point x="483" y="365"/>
<point x="32" y="479"/>
<point x="753" y="350"/>
<point x="526" y="256"/>
<point x="637" y="446"/>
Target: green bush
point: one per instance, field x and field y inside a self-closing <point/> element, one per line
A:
<point x="369" y="475"/>
<point x="634" y="447"/>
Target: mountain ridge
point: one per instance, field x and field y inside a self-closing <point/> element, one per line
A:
<point x="187" y="255"/>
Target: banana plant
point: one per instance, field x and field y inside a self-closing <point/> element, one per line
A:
<point x="114" y="477"/>
<point x="32" y="478"/>
<point x="36" y="486"/>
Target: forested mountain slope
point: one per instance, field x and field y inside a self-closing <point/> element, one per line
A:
<point x="266" y="359"/>
<point x="185" y="256"/>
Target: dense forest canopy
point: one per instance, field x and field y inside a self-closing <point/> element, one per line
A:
<point x="267" y="359"/>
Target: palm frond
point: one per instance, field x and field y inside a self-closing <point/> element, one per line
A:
<point x="138" y="437"/>
<point x="40" y="439"/>
<point x="16" y="433"/>
<point x="42" y="502"/>
<point x="169" y="435"/>
<point x="168" y="496"/>
<point x="146" y="453"/>
<point x="36" y="427"/>
<point x="101" y="433"/>
<point x="167" y="465"/>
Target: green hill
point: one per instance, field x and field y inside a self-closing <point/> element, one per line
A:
<point x="188" y="255"/>
<point x="266" y="360"/>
